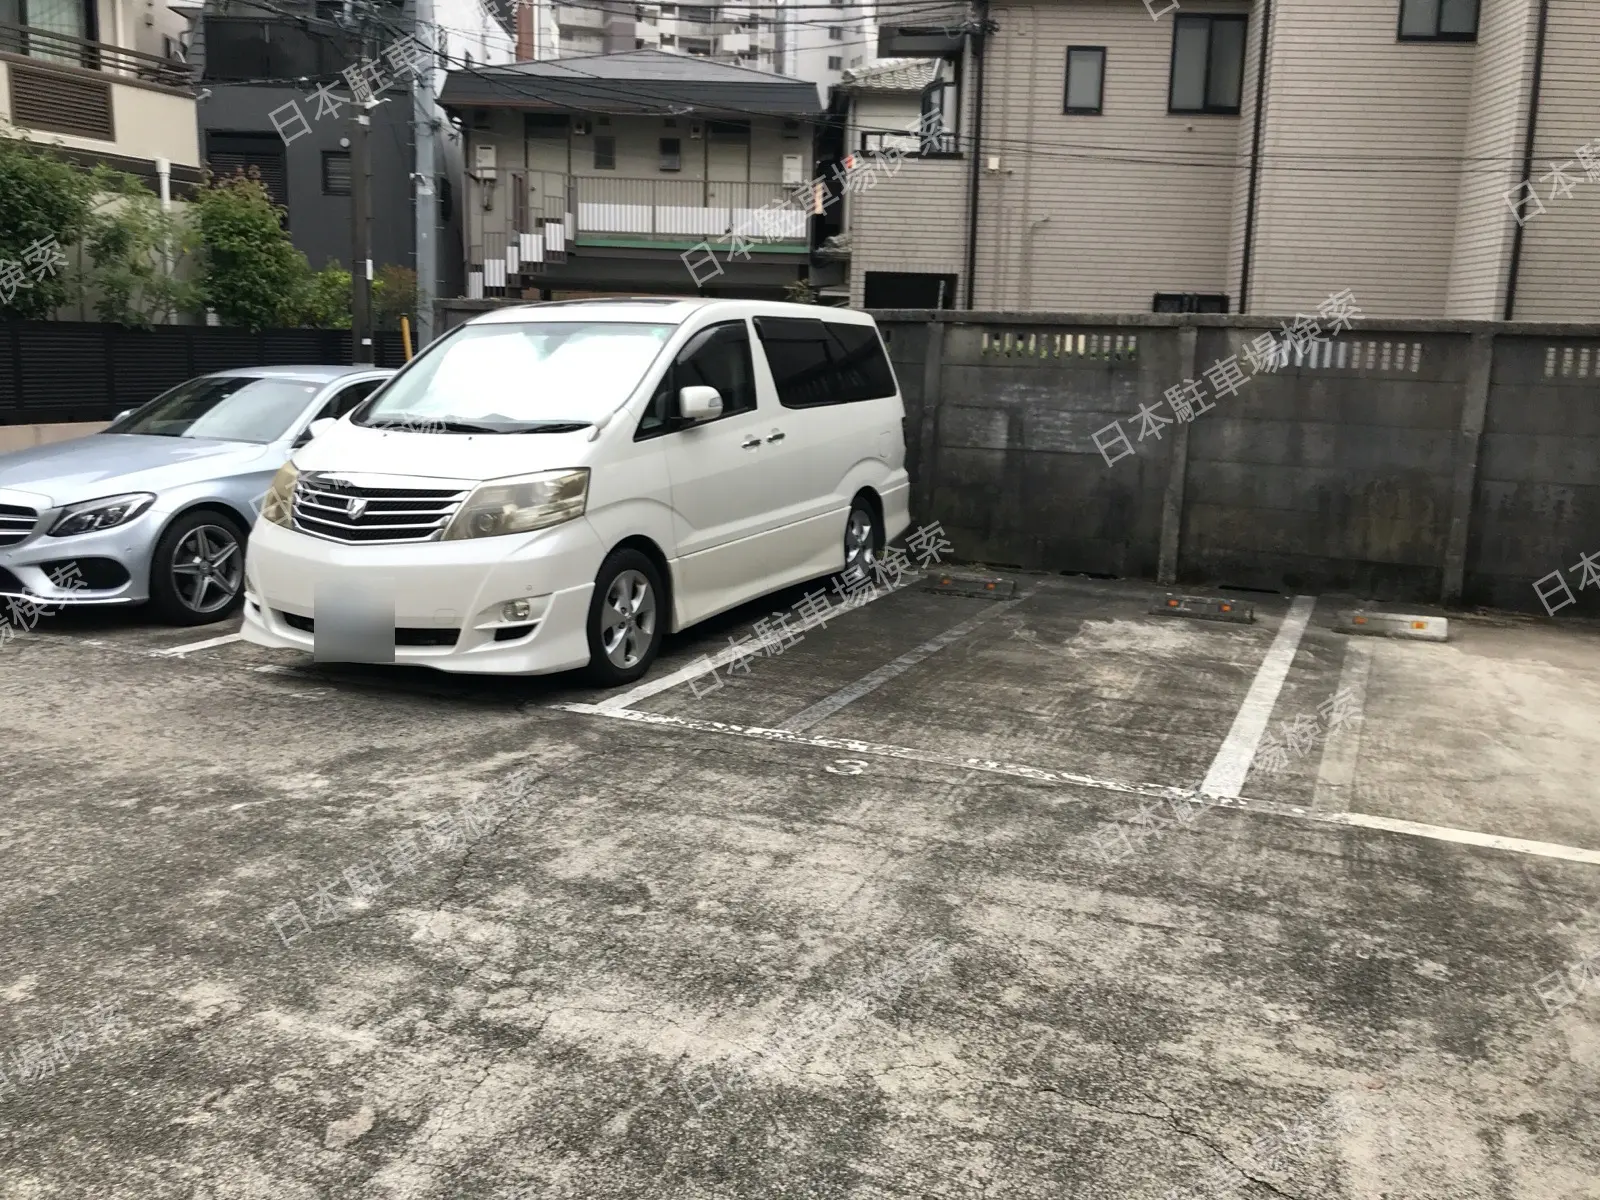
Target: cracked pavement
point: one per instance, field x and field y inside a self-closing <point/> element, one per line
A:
<point x="555" y="1006"/>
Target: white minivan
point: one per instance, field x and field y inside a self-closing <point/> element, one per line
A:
<point x="555" y="486"/>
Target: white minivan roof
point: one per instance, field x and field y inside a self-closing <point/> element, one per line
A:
<point x="655" y="310"/>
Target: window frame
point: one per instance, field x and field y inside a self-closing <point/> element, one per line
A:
<point x="334" y="155"/>
<point x="610" y="141"/>
<point x="1100" y="94"/>
<point x="668" y="380"/>
<point x="1400" y="35"/>
<point x="827" y="327"/>
<point x="674" y="157"/>
<point x="1207" y="109"/>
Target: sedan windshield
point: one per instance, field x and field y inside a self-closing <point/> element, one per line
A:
<point x="230" y="408"/>
<point x="531" y="377"/>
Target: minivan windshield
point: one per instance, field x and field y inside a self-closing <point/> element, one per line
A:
<point x="528" y="377"/>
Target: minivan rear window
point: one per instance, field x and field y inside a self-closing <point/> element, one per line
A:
<point x="817" y="362"/>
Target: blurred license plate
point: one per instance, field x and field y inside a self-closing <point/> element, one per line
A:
<point x="355" y="621"/>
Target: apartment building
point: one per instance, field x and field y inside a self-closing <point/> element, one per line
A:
<point x="741" y="34"/>
<point x="1258" y="156"/>
<point x="102" y="81"/>
<point x="612" y="173"/>
<point x="823" y="40"/>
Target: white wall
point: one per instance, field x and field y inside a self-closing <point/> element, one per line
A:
<point x="808" y="46"/>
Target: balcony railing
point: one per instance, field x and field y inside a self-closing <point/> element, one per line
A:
<point x="677" y="210"/>
<point x="47" y="46"/>
<point x="930" y="145"/>
<point x="240" y="48"/>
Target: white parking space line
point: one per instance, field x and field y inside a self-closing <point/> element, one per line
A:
<point x="1228" y="770"/>
<point x="828" y="705"/>
<point x="191" y="647"/>
<point x="1336" y="774"/>
<point x="1464" y="837"/>
<point x="705" y="665"/>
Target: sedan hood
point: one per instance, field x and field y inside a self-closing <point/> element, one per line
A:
<point x="474" y="456"/>
<point x="104" y="464"/>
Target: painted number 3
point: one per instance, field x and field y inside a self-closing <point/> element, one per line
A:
<point x="846" y="766"/>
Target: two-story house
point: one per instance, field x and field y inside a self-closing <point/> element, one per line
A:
<point x="101" y="81"/>
<point x="1436" y="158"/>
<point x="621" y="172"/>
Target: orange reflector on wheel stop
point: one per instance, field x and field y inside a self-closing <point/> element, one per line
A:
<point x="958" y="583"/>
<point x="1419" y="624"/>
<point x="1360" y="620"/>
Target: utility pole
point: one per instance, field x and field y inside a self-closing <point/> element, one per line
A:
<point x="361" y="236"/>
<point x="426" y="210"/>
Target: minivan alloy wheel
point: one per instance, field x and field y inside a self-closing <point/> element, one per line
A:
<point x="860" y="544"/>
<point x="207" y="568"/>
<point x="628" y="620"/>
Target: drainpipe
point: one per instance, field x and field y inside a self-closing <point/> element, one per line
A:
<point x="975" y="39"/>
<point x="1527" y="154"/>
<point x="164" y="178"/>
<point x="1259" y="124"/>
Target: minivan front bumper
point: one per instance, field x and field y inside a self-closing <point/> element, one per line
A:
<point x="439" y="589"/>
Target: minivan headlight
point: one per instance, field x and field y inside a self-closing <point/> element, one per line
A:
<point x="105" y="513"/>
<point x="279" y="498"/>
<point x="521" y="505"/>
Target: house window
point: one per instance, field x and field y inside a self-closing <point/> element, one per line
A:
<point x="671" y="154"/>
<point x="835" y="62"/>
<point x="1438" y="20"/>
<point x="835" y="33"/>
<point x="1086" y="72"/>
<point x="1207" y="65"/>
<point x="336" y="172"/>
<point x="605" y="153"/>
<point x="1188" y="302"/>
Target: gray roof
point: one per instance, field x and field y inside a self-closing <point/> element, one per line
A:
<point x="635" y="81"/>
<point x="892" y="75"/>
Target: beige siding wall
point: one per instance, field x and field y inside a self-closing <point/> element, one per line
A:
<point x="913" y="221"/>
<point x="149" y="122"/>
<point x="1098" y="212"/>
<point x="1559" y="279"/>
<point x="1360" y="176"/>
<point x="1491" y="160"/>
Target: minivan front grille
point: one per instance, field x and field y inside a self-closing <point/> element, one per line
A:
<point x="16" y="523"/>
<point x="346" y="512"/>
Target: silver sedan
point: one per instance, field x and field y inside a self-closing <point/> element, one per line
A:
<point x="156" y="508"/>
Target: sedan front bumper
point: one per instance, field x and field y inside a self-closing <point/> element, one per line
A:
<point x="110" y="566"/>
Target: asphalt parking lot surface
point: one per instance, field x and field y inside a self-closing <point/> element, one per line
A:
<point x="1036" y="897"/>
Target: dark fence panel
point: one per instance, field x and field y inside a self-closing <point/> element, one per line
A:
<point x="64" y="371"/>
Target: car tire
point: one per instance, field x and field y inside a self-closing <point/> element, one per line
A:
<point x="863" y="540"/>
<point x="197" y="570"/>
<point x="627" y="616"/>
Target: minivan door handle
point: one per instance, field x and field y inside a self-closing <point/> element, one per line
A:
<point x="750" y="443"/>
<point x="777" y="436"/>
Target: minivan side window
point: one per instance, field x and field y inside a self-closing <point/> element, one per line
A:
<point x="817" y="362"/>
<point x="718" y="356"/>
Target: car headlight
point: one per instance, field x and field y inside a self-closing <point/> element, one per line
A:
<point x="105" y="513"/>
<point x="521" y="505"/>
<point x="275" y="504"/>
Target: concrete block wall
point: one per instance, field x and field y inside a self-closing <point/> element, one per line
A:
<point x="1413" y="461"/>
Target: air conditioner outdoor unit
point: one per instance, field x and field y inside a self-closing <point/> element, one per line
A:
<point x="791" y="169"/>
<point x="581" y="128"/>
<point x="696" y="129"/>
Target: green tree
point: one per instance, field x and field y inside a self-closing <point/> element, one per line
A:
<point x="42" y="200"/>
<point x="137" y="251"/>
<point x="251" y="274"/>
<point x="325" y="300"/>
<point x="394" y="295"/>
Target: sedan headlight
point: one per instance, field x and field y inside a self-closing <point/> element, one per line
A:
<point x="521" y="505"/>
<point x="275" y="504"/>
<point x="105" y="513"/>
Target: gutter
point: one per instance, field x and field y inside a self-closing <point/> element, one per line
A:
<point x="976" y="148"/>
<point x="1527" y="156"/>
<point x="1259" y="123"/>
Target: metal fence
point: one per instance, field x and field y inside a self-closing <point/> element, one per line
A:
<point x="58" y="371"/>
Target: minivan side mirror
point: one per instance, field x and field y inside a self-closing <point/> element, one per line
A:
<point x="699" y="403"/>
